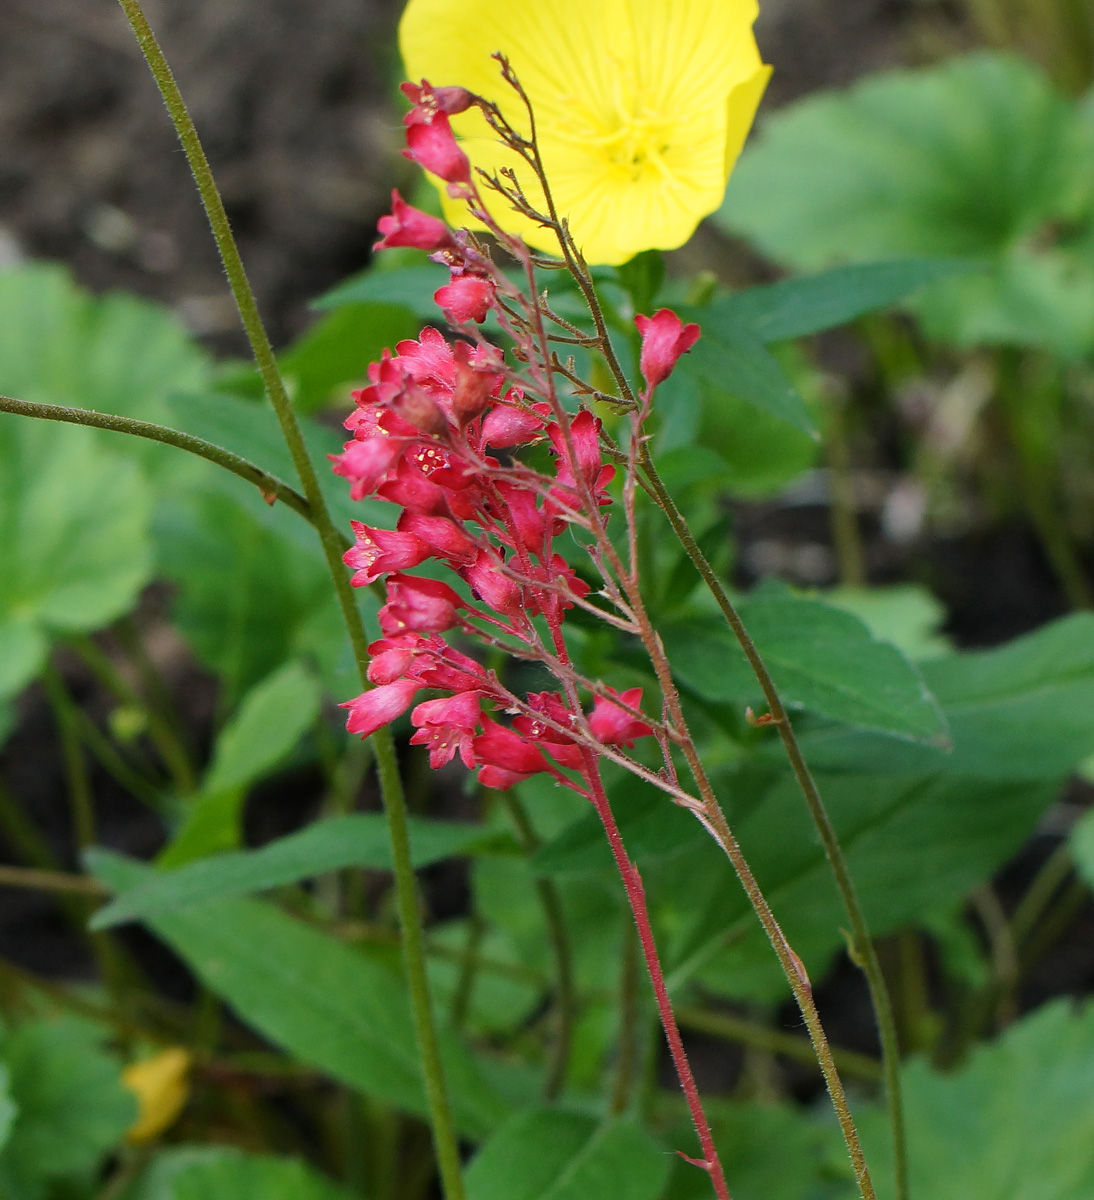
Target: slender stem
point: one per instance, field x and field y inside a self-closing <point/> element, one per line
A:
<point x="79" y="782"/>
<point x="864" y="950"/>
<point x="269" y="485"/>
<point x="550" y="900"/>
<point x="636" y="895"/>
<point x="1049" y="878"/>
<point x="49" y="881"/>
<point x="736" y="1029"/>
<point x="445" y="1141"/>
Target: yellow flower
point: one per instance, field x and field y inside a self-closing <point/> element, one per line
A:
<point x="160" y="1085"/>
<point x="642" y="107"/>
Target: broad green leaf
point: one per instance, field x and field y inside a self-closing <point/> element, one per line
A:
<point x="72" y="1107"/>
<point x="550" y="1155"/>
<point x="1082" y="846"/>
<point x="232" y="1175"/>
<point x="323" y="1003"/>
<point x="821" y="659"/>
<point x="1016" y="1121"/>
<point x="914" y="847"/>
<point x="811" y="303"/>
<point x="333" y="356"/>
<point x="73" y="539"/>
<point x="905" y="615"/>
<point x="729" y="357"/>
<point x="118" y="354"/>
<point x="9" y="1110"/>
<point x="979" y="158"/>
<point x="359" y="840"/>
<point x="272" y="718"/>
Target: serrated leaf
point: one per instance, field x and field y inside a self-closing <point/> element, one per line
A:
<point x="979" y="157"/>
<point x="822" y="659"/>
<point x="1015" y="1121"/>
<point x="72" y="1107"/>
<point x="325" y="1004"/>
<point x="811" y="303"/>
<point x="551" y="1155"/>
<point x="73" y="539"/>
<point x="359" y="840"/>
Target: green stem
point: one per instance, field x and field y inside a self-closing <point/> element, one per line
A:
<point x="550" y="901"/>
<point x="864" y="950"/>
<point x="79" y="782"/>
<point x="445" y="1141"/>
<point x="269" y="485"/>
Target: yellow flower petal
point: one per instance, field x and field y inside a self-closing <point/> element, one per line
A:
<point x="641" y="107"/>
<point x="161" y="1086"/>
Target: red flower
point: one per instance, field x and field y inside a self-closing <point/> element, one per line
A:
<point x="447" y="725"/>
<point x="442" y="538"/>
<point x="428" y="101"/>
<point x="613" y="726"/>
<point x="419" y="606"/>
<point x="506" y="757"/>
<point x="365" y="463"/>
<point x="409" y="226"/>
<point x="381" y="550"/>
<point x="508" y="425"/>
<point x="664" y="338"/>
<point x="466" y="298"/>
<point x="432" y="146"/>
<point x="380" y="706"/>
<point x="487" y="583"/>
<point x="562" y="748"/>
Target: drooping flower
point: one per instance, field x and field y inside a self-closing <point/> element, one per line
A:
<point x="664" y="338"/>
<point x="642" y="107"/>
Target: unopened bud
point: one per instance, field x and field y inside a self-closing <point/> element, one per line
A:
<point x="419" y="409"/>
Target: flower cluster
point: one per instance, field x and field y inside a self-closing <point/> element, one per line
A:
<point x="436" y="434"/>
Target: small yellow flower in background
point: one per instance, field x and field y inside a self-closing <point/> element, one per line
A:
<point x="642" y="107"/>
<point x="161" y="1086"/>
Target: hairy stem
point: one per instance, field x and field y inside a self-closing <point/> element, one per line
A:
<point x="269" y="485"/>
<point x="865" y="952"/>
<point x="445" y="1141"/>
<point x="636" y="896"/>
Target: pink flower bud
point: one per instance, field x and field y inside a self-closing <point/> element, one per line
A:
<point x="409" y="226"/>
<point x="466" y="298"/>
<point x="434" y="147"/>
<point x="664" y="338"/>
<point x="506" y="757"/>
<point x="365" y="463"/>
<point x="614" y="726"/>
<point x="380" y="706"/>
<point x="440" y="537"/>
<point x="418" y="408"/>
<point x="497" y="591"/>
<point x="507" y="425"/>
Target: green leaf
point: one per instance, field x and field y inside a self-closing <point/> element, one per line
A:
<point x="9" y="1110"/>
<point x="232" y="1175"/>
<point x="550" y="1155"/>
<point x="812" y="303"/>
<point x="821" y="659"/>
<point x="410" y="287"/>
<point x="272" y="718"/>
<point x="730" y="358"/>
<point x="247" y="586"/>
<point x="905" y="615"/>
<point x="72" y="1107"/>
<point x="1016" y="1121"/>
<point x="978" y="158"/>
<point x="914" y="847"/>
<point x="360" y="840"/>
<point x="322" y="1002"/>
<point x="333" y="356"/>
<point x="118" y="354"/>
<point x="73" y="539"/>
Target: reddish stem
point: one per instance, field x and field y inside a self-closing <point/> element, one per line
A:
<point x="636" y="896"/>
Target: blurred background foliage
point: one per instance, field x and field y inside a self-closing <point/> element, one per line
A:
<point x="888" y="426"/>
